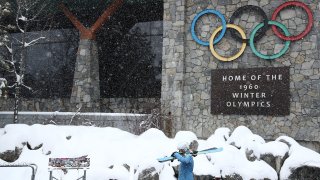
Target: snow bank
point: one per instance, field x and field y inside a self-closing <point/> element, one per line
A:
<point x="298" y="156"/>
<point x="110" y="148"/>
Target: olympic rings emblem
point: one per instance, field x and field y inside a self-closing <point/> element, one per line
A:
<point x="257" y="33"/>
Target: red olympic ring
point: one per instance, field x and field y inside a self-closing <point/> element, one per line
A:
<point x="302" y="34"/>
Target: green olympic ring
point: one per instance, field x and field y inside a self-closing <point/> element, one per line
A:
<point x="274" y="56"/>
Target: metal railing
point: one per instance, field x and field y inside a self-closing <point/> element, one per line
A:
<point x="83" y="177"/>
<point x="33" y="167"/>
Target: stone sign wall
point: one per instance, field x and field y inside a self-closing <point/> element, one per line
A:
<point x="188" y="66"/>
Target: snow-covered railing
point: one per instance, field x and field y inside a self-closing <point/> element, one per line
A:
<point x="72" y="113"/>
<point x="84" y="177"/>
<point x="125" y="121"/>
<point x="33" y="167"/>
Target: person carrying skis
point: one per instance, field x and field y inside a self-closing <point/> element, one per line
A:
<point x="186" y="160"/>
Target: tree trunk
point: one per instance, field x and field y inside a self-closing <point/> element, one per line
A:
<point x="16" y="104"/>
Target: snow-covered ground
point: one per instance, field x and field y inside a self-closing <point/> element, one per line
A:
<point x="108" y="147"/>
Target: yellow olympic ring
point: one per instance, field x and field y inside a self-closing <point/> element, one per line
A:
<point x="221" y="58"/>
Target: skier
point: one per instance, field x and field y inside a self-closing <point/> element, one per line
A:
<point x="186" y="159"/>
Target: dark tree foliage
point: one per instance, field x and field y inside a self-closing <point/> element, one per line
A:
<point x="125" y="58"/>
<point x="127" y="71"/>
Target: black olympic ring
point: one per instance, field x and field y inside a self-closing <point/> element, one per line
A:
<point x="261" y="31"/>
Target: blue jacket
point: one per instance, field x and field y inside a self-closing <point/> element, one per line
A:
<point x="186" y="166"/>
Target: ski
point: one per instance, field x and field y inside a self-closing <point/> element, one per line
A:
<point x="205" y="151"/>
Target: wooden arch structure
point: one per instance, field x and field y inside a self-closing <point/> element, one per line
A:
<point x="85" y="95"/>
<point x="89" y="33"/>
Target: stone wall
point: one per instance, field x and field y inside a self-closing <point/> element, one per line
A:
<point x="187" y="66"/>
<point x="107" y="105"/>
<point x="125" y="121"/>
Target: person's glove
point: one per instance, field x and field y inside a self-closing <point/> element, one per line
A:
<point x="172" y="155"/>
<point x="194" y="153"/>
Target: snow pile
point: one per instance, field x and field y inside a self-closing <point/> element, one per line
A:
<point x="299" y="156"/>
<point x="116" y="154"/>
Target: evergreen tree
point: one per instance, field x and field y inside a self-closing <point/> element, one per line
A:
<point x="128" y="71"/>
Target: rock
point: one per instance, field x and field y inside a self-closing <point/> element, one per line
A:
<point x="126" y="166"/>
<point x="274" y="162"/>
<point x="204" y="177"/>
<point x="34" y="148"/>
<point x="233" y="177"/>
<point x="250" y="156"/>
<point x="305" y="172"/>
<point x="149" y="174"/>
<point x="11" y="156"/>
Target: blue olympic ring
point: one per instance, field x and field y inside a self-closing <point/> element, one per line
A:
<point x="208" y="11"/>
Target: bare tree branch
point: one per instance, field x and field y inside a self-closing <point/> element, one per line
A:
<point x="33" y="42"/>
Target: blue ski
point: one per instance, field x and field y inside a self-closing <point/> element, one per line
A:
<point x="210" y="150"/>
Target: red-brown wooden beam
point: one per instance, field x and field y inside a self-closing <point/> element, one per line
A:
<point x="89" y="33"/>
<point x="106" y="15"/>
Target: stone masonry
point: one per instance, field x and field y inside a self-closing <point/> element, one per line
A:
<point x="173" y="55"/>
<point x="86" y="89"/>
<point x="107" y="105"/>
<point x="186" y="75"/>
